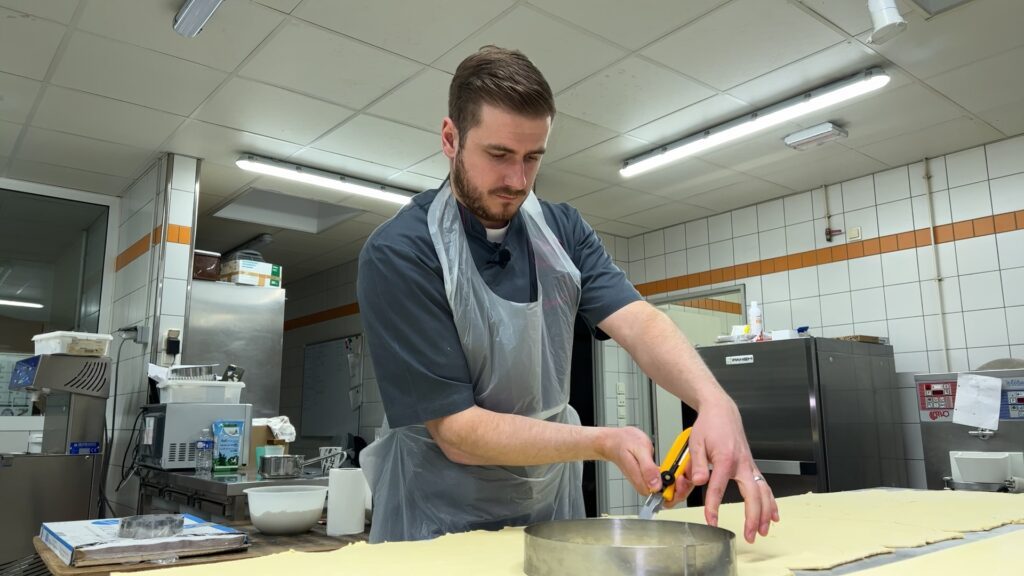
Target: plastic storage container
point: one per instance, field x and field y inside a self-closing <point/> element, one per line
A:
<point x="200" y="391"/>
<point x="74" y="343"/>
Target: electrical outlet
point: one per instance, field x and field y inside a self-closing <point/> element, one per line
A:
<point x="621" y="401"/>
<point x="620" y="388"/>
<point x="622" y="412"/>
<point x="853" y="233"/>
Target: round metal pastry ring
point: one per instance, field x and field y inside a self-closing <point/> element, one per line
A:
<point x="628" y="546"/>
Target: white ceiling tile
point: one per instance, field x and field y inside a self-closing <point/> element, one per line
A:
<point x="957" y="134"/>
<point x="345" y="165"/>
<point x="436" y="166"/>
<point x="557" y="186"/>
<point x="103" y="118"/>
<point x="818" y="168"/>
<point x="234" y="30"/>
<point x="59" y="10"/>
<point x="222" y="179"/>
<point x="413" y="182"/>
<point x="8" y="136"/>
<point x="27" y="43"/>
<point x="67" y="177"/>
<point x="741" y="41"/>
<point x="888" y="113"/>
<point x="224" y="145"/>
<point x="698" y="177"/>
<point x="1008" y="118"/>
<point x="616" y="201"/>
<point x="353" y="229"/>
<point x="262" y="109"/>
<point x="694" y="118"/>
<point x="313" y="61"/>
<point x="134" y="74"/>
<point x="620" y="229"/>
<point x="1001" y="76"/>
<point x="852" y="17"/>
<point x="381" y="141"/>
<point x="832" y="63"/>
<point x="569" y="135"/>
<point x="420" y="102"/>
<point x="209" y="204"/>
<point x="603" y="160"/>
<point x="377" y="22"/>
<point x="82" y="153"/>
<point x="736" y="195"/>
<point x="667" y="215"/>
<point x="17" y="95"/>
<point x="285" y="6"/>
<point x="630" y="24"/>
<point x="563" y="54"/>
<point x="629" y="94"/>
<point x="977" y="30"/>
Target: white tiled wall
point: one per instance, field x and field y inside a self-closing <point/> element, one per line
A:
<point x="136" y="290"/>
<point x="895" y="294"/>
<point x="322" y="291"/>
<point x="976" y="293"/>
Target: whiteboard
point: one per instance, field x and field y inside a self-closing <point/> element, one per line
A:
<point x="327" y="378"/>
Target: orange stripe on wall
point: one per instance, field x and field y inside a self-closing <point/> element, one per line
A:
<point x="961" y="230"/>
<point x="140" y="247"/>
<point x="1007" y="222"/>
<point x="322" y="316"/>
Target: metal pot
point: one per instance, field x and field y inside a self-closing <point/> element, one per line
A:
<point x="280" y="466"/>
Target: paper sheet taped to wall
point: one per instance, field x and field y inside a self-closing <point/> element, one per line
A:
<point x="977" y="401"/>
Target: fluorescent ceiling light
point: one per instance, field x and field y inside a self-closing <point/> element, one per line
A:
<point x="817" y="99"/>
<point x="20" y="304"/>
<point x="193" y="15"/>
<point x="323" y="178"/>
<point x="814" y="136"/>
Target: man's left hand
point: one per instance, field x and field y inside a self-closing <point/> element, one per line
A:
<point x="718" y="440"/>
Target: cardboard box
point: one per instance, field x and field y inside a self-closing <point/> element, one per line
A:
<point x="250" y="279"/>
<point x="95" y="542"/>
<point x="251" y="267"/>
<point x="260" y="437"/>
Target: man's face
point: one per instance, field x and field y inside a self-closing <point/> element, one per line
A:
<point x="495" y="164"/>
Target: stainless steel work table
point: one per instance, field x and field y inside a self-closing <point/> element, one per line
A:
<point x="220" y="497"/>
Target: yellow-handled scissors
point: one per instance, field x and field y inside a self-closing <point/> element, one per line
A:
<point x="672" y="466"/>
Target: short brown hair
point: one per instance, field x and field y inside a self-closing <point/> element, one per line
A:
<point x="500" y="77"/>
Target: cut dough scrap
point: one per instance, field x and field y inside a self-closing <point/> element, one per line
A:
<point x="995" y="556"/>
<point x="953" y="511"/>
<point x="836" y="541"/>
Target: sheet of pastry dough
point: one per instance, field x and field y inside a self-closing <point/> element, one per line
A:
<point x="819" y="542"/>
<point x="470" y="554"/>
<point x="954" y="511"/>
<point x="995" y="556"/>
<point x="818" y="531"/>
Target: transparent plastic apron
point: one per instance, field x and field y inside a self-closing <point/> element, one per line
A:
<point x="519" y="356"/>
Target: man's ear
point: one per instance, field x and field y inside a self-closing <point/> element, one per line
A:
<point x="449" y="138"/>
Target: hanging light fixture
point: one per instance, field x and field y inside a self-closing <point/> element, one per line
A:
<point x="817" y="99"/>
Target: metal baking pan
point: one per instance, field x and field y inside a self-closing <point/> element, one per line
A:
<point x="627" y="546"/>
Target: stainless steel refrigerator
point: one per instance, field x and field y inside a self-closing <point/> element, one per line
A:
<point x="241" y="325"/>
<point x="821" y="415"/>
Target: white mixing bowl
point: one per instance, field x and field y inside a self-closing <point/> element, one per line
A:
<point x="286" y="509"/>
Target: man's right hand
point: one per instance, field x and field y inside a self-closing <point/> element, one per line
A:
<point x="631" y="450"/>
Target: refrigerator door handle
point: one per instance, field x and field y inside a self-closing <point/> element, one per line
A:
<point x="787" y="467"/>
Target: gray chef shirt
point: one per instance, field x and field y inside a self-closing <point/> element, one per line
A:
<point x="415" y="348"/>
